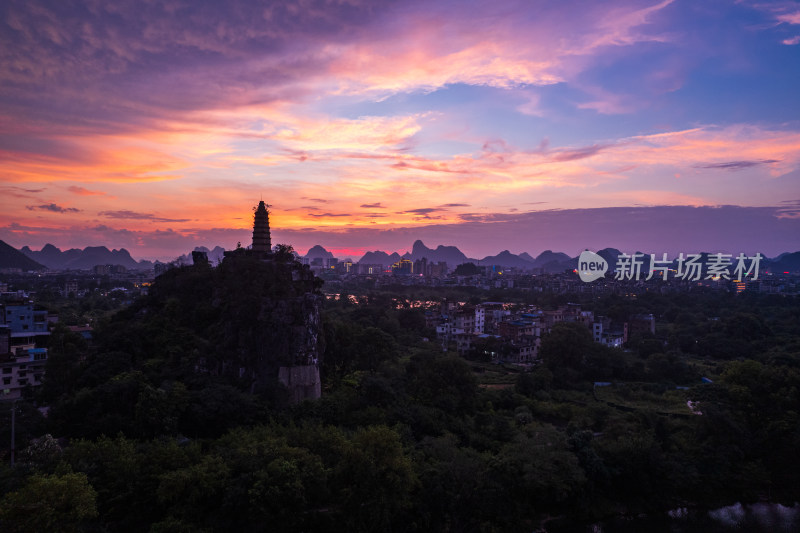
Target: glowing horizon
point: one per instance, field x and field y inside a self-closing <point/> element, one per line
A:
<point x="158" y="130"/>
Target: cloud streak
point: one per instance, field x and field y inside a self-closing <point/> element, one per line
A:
<point x="131" y="215"/>
<point x="736" y="165"/>
<point x="53" y="208"/>
<point x="74" y="189"/>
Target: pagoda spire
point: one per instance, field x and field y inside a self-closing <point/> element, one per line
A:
<point x="262" y="243"/>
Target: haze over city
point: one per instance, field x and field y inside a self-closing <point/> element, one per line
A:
<point x="657" y="126"/>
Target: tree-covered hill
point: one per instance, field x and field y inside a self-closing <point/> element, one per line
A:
<point x="194" y="356"/>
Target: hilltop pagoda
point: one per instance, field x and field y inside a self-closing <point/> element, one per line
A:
<point x="262" y="243"/>
<point x="280" y="337"/>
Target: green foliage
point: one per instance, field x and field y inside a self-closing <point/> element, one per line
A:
<point x="564" y="351"/>
<point x="193" y="493"/>
<point x="29" y="424"/>
<point x="59" y="503"/>
<point x="406" y="437"/>
<point x="188" y="357"/>
<point x="445" y="382"/>
<point x="63" y="368"/>
<point x="283" y="253"/>
<point x="536" y="471"/>
<point x="375" y="480"/>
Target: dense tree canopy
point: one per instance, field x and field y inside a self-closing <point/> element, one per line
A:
<point x="406" y="437"/>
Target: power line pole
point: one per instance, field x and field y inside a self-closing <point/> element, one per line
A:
<point x="13" y="427"/>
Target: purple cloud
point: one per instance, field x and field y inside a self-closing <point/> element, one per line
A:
<point x="54" y="208"/>
<point x="578" y="153"/>
<point x="20" y="192"/>
<point x="132" y="215"/>
<point x="737" y="165"/>
<point x="421" y="211"/>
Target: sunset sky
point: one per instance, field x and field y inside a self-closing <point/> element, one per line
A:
<point x="157" y="126"/>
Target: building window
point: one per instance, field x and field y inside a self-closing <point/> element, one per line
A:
<point x="6" y="381"/>
<point x="23" y="382"/>
<point x="7" y="370"/>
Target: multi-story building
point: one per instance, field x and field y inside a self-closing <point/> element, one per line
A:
<point x="493" y="314"/>
<point x="20" y="371"/>
<point x="642" y="324"/>
<point x="516" y="329"/>
<point x="524" y="351"/>
<point x="437" y="270"/>
<point x="404" y="267"/>
<point x="21" y="362"/>
<point x="480" y="319"/>
<point x="71" y="287"/>
<point x="464" y="320"/>
<point x="374" y="269"/>
<point x="421" y="267"/>
<point x="346" y="267"/>
<point x="519" y="332"/>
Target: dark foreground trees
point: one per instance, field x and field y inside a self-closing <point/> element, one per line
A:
<point x="406" y="437"/>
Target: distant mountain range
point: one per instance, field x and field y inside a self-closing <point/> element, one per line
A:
<point x="786" y="262"/>
<point x="86" y="259"/>
<point x="548" y="261"/>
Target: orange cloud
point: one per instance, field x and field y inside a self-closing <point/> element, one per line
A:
<point x="74" y="189"/>
<point x="101" y="159"/>
<point x="370" y="133"/>
<point x="592" y="174"/>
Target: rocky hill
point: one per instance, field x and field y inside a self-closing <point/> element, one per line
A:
<point x="379" y="258"/>
<point x="506" y="259"/>
<point x="10" y="257"/>
<point x="258" y="319"/>
<point x="318" y="251"/>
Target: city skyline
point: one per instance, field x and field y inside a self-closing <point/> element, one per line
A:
<point x="661" y="126"/>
